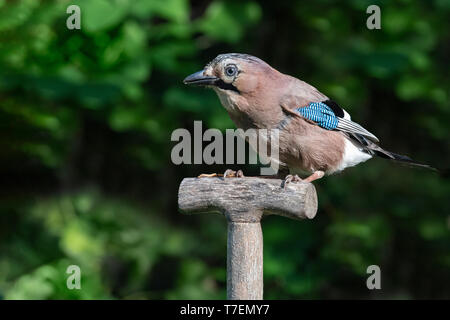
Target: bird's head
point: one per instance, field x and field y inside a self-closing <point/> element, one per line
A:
<point x="234" y="76"/>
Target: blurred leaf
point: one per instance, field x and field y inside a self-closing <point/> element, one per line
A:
<point x="101" y="15"/>
<point x="229" y="16"/>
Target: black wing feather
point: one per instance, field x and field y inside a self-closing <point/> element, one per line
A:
<point x="338" y="111"/>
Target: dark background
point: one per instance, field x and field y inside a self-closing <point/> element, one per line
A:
<point x="85" y="170"/>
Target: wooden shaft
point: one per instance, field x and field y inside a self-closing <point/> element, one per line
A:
<point x="244" y="261"/>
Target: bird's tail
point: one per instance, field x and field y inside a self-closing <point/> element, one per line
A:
<point x="403" y="159"/>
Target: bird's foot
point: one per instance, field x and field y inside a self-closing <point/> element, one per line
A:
<point x="227" y="174"/>
<point x="316" y="175"/>
<point x="233" y="174"/>
<point x="209" y="175"/>
<point x="291" y="178"/>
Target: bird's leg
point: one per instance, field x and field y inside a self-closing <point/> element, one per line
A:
<point x="290" y="178"/>
<point x="295" y="178"/>
<point x="227" y="174"/>
<point x="316" y="175"/>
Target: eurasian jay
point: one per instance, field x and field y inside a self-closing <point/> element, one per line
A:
<point x="317" y="136"/>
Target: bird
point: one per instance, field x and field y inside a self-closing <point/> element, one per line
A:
<point x="317" y="136"/>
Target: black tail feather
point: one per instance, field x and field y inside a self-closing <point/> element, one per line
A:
<point x="374" y="149"/>
<point x="401" y="158"/>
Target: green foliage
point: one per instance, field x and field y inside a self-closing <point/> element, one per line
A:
<point x="86" y="177"/>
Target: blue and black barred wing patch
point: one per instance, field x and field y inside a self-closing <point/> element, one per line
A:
<point x="326" y="118"/>
<point x="321" y="114"/>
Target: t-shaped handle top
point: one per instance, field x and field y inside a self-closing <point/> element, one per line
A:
<point x="247" y="199"/>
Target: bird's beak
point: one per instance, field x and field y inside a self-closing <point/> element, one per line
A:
<point x="200" y="79"/>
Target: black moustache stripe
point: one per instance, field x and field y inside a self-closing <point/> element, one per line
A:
<point x="226" y="86"/>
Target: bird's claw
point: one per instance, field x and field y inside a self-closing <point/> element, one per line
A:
<point x="290" y="178"/>
<point x="227" y="174"/>
<point x="233" y="174"/>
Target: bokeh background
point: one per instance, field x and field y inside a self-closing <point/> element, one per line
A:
<point x="85" y="171"/>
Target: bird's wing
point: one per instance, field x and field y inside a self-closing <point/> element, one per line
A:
<point x="329" y="115"/>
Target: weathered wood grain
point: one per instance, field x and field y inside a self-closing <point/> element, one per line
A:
<point x="244" y="261"/>
<point x="245" y="199"/>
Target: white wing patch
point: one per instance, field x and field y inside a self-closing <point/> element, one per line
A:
<point x="346" y="115"/>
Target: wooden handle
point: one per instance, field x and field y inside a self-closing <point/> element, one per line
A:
<point x="247" y="199"/>
<point x="244" y="201"/>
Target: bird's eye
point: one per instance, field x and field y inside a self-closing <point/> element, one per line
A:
<point x="230" y="71"/>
